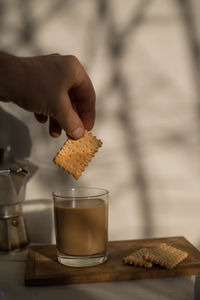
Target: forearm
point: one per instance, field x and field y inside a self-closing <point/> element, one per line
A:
<point x="10" y="76"/>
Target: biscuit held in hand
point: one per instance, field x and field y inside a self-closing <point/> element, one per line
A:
<point x="75" y="155"/>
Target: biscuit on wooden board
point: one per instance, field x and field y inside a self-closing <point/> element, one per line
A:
<point x="161" y="254"/>
<point x="165" y="255"/>
<point x="75" y="155"/>
<point x="137" y="259"/>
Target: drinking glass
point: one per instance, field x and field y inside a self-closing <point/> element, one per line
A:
<point x="81" y="226"/>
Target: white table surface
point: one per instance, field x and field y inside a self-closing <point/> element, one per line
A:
<point x="12" y="270"/>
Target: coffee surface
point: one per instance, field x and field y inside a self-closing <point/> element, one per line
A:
<point x="81" y="226"/>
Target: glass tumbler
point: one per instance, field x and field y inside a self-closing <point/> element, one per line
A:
<point x="81" y="226"/>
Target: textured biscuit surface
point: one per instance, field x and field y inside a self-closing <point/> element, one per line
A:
<point x="165" y="255"/>
<point x="75" y="155"/>
<point x="137" y="258"/>
<point x="161" y="254"/>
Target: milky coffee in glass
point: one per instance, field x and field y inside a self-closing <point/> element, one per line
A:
<point x="81" y="223"/>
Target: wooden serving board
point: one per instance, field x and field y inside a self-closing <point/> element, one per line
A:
<point x="43" y="269"/>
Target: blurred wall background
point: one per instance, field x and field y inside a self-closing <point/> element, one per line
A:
<point x="143" y="58"/>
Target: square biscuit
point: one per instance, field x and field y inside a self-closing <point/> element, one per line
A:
<point x="165" y="255"/>
<point x="137" y="259"/>
<point x="75" y="155"/>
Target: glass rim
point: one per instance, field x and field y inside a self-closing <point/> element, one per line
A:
<point x="60" y="194"/>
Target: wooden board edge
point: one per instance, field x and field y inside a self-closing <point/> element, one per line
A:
<point x="30" y="266"/>
<point x="37" y="281"/>
<point x="150" y="238"/>
<point x="191" y="245"/>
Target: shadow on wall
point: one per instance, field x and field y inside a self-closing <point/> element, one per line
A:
<point x="14" y="134"/>
<point x="15" y="137"/>
<point x="38" y="216"/>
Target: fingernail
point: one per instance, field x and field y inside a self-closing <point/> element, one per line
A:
<point x="78" y="133"/>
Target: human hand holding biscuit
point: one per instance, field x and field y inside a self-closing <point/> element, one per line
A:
<point x="53" y="86"/>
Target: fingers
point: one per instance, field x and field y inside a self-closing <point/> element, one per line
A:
<point x="83" y="99"/>
<point x="77" y="104"/>
<point x="41" y="118"/>
<point x="54" y="128"/>
<point x="68" y="118"/>
<point x="71" y="98"/>
<point x="82" y="94"/>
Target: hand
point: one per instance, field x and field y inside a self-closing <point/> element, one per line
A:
<point x="53" y="86"/>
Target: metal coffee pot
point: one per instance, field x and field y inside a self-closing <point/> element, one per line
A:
<point x="13" y="234"/>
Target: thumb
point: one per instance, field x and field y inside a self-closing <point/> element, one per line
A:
<point x="69" y="119"/>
